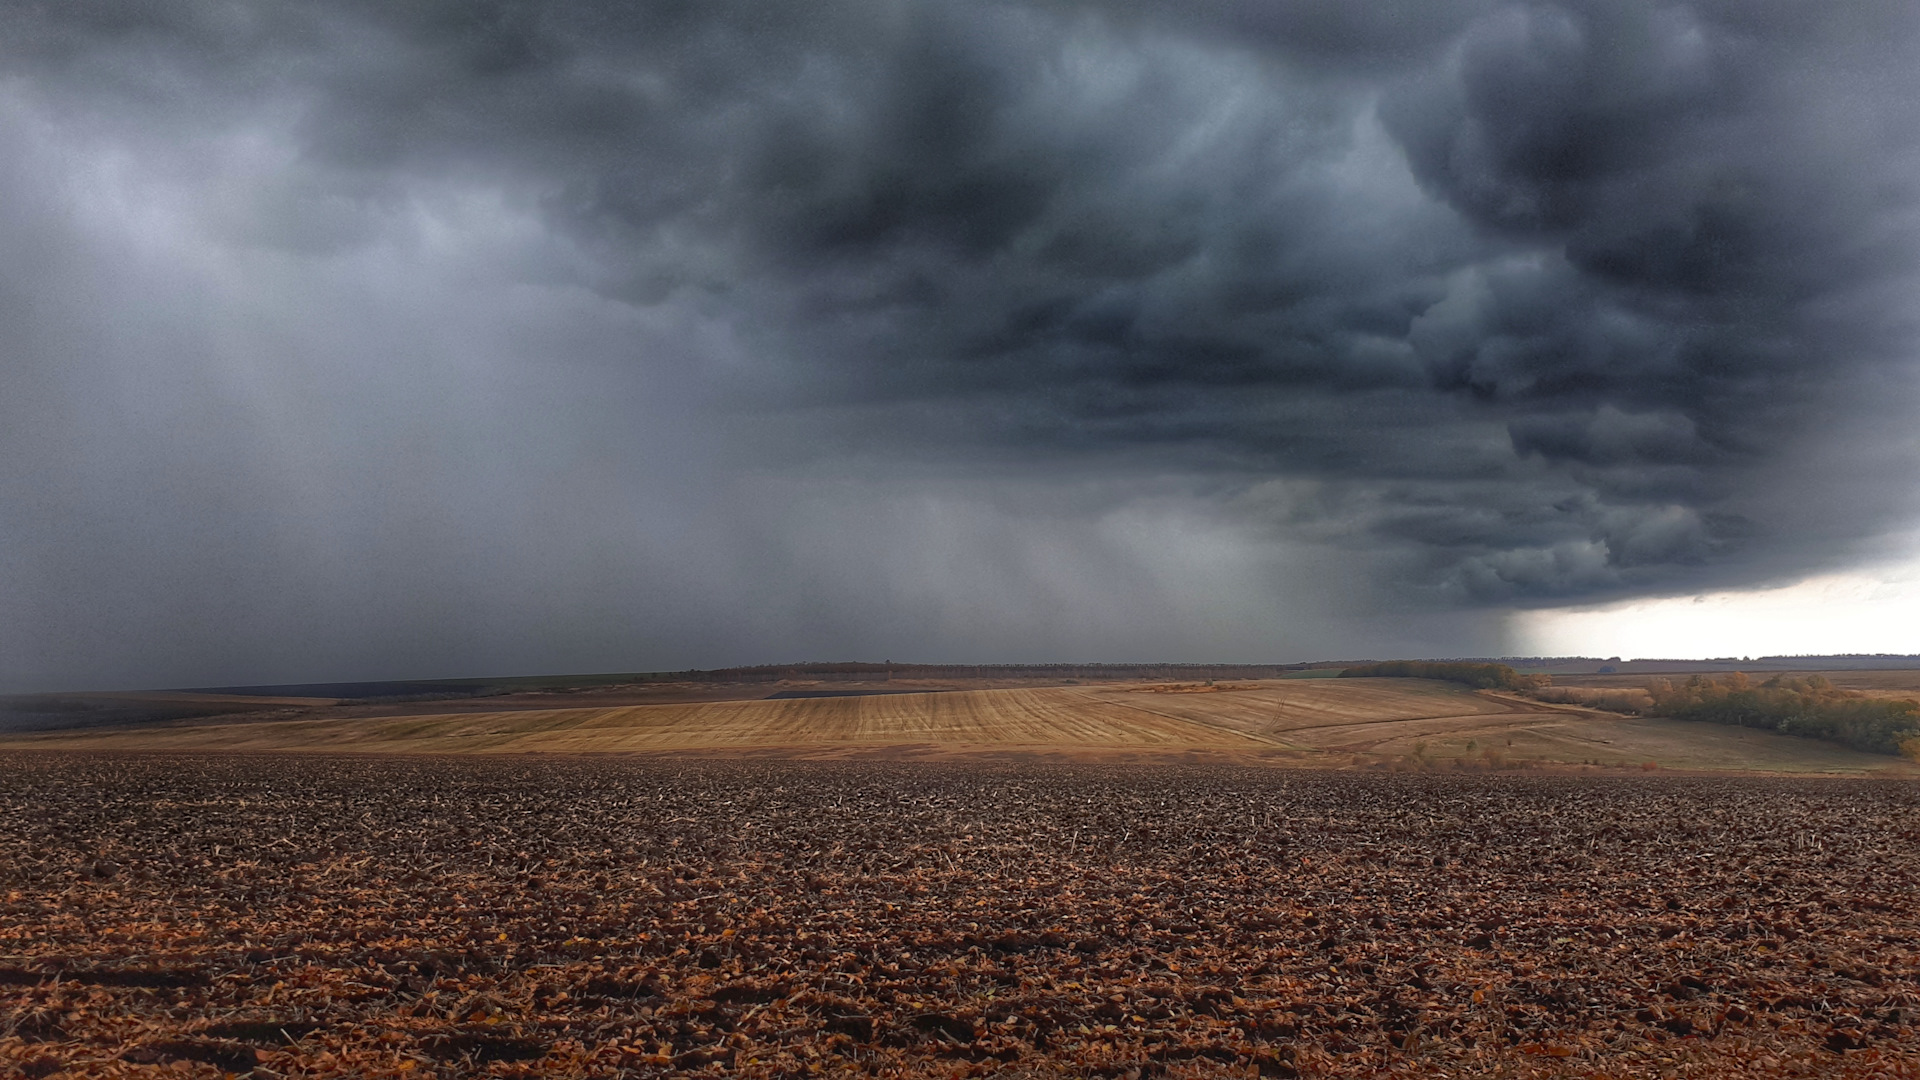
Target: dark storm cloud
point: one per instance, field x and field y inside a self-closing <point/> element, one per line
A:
<point x="1483" y="303"/>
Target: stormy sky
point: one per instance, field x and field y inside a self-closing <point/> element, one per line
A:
<point x="351" y="339"/>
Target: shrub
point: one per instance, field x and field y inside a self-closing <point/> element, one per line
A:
<point x="1811" y="708"/>
<point x="1630" y="702"/>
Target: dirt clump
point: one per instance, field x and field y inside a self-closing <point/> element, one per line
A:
<point x="601" y="917"/>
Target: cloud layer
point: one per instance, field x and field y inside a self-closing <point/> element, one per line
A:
<point x="429" y="337"/>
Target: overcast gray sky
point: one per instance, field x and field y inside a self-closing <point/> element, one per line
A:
<point x="350" y="339"/>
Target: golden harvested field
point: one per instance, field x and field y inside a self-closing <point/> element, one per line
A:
<point x="1401" y="723"/>
<point x="1070" y="716"/>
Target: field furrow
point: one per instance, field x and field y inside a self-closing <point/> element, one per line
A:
<point x="1401" y="723"/>
<point x="605" y="919"/>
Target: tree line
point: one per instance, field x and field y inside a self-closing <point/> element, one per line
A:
<point x="1810" y="707"/>
<point x="1478" y="676"/>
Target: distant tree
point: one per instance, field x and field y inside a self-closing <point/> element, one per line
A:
<point x="1811" y="708"/>
<point x="1479" y="676"/>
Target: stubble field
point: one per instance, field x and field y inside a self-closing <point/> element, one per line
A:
<point x="1339" y="723"/>
<point x="310" y="915"/>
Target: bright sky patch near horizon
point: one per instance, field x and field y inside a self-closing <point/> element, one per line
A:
<point x="1864" y="612"/>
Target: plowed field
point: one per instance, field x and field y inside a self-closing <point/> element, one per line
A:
<point x="305" y="915"/>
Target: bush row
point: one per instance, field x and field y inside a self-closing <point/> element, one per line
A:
<point x="1811" y="708"/>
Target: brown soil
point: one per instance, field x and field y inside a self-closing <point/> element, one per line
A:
<point x="306" y="915"/>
